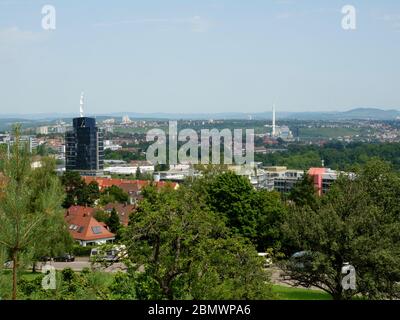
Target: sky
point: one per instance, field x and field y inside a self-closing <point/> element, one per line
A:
<point x="198" y="56"/>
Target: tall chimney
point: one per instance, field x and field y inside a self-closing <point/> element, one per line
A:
<point x="273" y="121"/>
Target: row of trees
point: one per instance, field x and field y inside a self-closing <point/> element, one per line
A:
<point x="336" y="155"/>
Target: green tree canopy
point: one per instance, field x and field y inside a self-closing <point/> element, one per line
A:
<point x="304" y="193"/>
<point x="184" y="247"/>
<point x="256" y="215"/>
<point x="77" y="191"/>
<point x="113" y="194"/>
<point x="113" y="221"/>
<point x="30" y="202"/>
<point x="357" y="222"/>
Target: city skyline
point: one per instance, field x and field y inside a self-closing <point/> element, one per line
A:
<point x="191" y="58"/>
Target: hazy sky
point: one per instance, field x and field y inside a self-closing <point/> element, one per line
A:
<point x="198" y="56"/>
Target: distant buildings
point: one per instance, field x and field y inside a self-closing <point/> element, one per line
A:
<point x="323" y="178"/>
<point x="126" y="120"/>
<point x="29" y="141"/>
<point x="129" y="170"/>
<point x="282" y="132"/>
<point x="42" y="130"/>
<point x="282" y="179"/>
<point x="109" y="144"/>
<point x="5" y="138"/>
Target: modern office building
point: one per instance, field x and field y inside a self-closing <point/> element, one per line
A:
<point x="283" y="178"/>
<point x="323" y="178"/>
<point x="84" y="147"/>
<point x="84" y="150"/>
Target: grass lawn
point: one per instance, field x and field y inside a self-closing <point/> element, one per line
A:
<point x="281" y="292"/>
<point x="289" y="293"/>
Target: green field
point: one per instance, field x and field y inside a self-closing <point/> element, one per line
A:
<point x="289" y="293"/>
<point x="328" y="132"/>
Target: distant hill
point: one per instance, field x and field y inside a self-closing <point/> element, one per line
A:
<point x="371" y="113"/>
<point x="353" y="114"/>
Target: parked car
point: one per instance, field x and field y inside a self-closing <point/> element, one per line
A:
<point x="8" y="264"/>
<point x="302" y="260"/>
<point x="44" y="259"/>
<point x="64" y="258"/>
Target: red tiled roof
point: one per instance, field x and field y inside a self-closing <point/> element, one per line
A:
<point x="83" y="226"/>
<point x="123" y="210"/>
<point x="125" y="184"/>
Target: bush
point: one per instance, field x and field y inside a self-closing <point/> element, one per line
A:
<point x="80" y="251"/>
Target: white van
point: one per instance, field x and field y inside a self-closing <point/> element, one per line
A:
<point x="113" y="254"/>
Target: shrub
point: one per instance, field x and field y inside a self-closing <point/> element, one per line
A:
<point x="80" y="251"/>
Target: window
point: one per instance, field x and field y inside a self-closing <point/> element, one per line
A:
<point x="96" y="230"/>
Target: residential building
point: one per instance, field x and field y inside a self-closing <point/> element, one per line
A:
<point x="30" y="141"/>
<point x="123" y="210"/>
<point x="85" y="229"/>
<point x="131" y="187"/>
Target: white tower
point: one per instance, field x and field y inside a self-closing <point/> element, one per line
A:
<point x="81" y="105"/>
<point x="273" y="121"/>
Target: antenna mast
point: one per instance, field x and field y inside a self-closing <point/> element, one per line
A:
<point x="81" y="105"/>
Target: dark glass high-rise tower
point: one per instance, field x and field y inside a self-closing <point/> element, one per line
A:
<point x="84" y="147"/>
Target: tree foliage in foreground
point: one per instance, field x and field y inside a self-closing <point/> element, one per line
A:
<point x="254" y="214"/>
<point x="358" y="222"/>
<point x="30" y="206"/>
<point x="186" y="251"/>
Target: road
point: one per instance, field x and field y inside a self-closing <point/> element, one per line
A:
<point x="83" y="262"/>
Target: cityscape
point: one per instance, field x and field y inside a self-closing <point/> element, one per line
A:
<point x="194" y="163"/>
